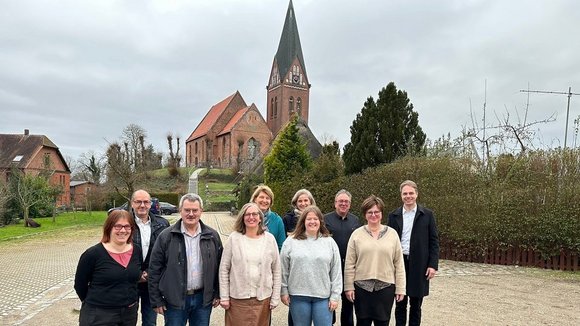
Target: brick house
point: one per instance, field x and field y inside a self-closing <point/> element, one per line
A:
<point x="80" y="191"/>
<point x="33" y="154"/>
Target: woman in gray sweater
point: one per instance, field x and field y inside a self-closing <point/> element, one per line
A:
<point x="311" y="271"/>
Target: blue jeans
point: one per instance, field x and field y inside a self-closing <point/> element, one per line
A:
<point x="307" y="310"/>
<point x="148" y="315"/>
<point x="194" y="312"/>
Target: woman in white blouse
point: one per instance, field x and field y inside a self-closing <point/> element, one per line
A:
<point x="249" y="273"/>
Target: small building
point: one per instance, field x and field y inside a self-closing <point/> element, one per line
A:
<point x="33" y="154"/>
<point x="80" y="192"/>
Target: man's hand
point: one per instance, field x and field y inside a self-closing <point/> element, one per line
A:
<point x="430" y="273"/>
<point x="399" y="297"/>
<point x="160" y="310"/>
<point x="216" y="302"/>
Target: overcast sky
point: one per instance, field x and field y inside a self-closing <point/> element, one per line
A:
<point x="79" y="71"/>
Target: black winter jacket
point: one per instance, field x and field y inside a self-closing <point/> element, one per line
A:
<point x="168" y="267"/>
<point x="158" y="224"/>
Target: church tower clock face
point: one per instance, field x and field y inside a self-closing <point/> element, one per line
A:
<point x="295" y="78"/>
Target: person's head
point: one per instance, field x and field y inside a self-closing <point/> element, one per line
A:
<point x="311" y="221"/>
<point x="302" y="199"/>
<point x="141" y="203"/>
<point x="342" y="202"/>
<point x="118" y="227"/>
<point x="409" y="193"/>
<point x="372" y="209"/>
<point x="190" y="209"/>
<point x="264" y="197"/>
<point x="250" y="216"/>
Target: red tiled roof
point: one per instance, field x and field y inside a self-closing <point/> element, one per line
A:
<point x="210" y="118"/>
<point x="233" y="121"/>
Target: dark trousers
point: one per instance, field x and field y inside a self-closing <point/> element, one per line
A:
<point x="92" y="315"/>
<point x="414" y="308"/>
<point x="148" y="315"/>
<point x="369" y="322"/>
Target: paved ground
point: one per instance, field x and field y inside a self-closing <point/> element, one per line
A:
<point x="36" y="277"/>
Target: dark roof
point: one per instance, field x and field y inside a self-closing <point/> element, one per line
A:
<point x="289" y="47"/>
<point x="16" y="150"/>
<point x="313" y="145"/>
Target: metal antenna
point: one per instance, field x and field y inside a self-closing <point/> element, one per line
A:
<point x="569" y="93"/>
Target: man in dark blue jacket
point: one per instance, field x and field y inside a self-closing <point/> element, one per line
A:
<point x="183" y="271"/>
<point x="417" y="230"/>
<point x="149" y="226"/>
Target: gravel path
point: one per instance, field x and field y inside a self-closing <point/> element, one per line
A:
<point x="36" y="276"/>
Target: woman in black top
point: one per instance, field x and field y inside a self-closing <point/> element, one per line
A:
<point x="302" y="199"/>
<point x="107" y="275"/>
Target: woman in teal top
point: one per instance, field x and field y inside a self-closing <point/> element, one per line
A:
<point x="264" y="197"/>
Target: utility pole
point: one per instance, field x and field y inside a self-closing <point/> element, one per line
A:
<point x="569" y="93"/>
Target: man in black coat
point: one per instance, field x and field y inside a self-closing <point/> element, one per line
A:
<point x="417" y="230"/>
<point x="149" y="226"/>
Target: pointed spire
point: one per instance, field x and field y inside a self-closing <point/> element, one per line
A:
<point x="289" y="47"/>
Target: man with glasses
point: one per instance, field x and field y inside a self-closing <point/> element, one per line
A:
<point x="183" y="272"/>
<point x="341" y="223"/>
<point x="417" y="230"/>
<point x="149" y="226"/>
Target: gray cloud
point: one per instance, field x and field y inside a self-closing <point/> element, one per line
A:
<point x="80" y="71"/>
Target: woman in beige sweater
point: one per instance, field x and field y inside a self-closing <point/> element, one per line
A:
<point x="249" y="273"/>
<point x="374" y="272"/>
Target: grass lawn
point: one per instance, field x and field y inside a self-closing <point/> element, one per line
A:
<point x="64" y="220"/>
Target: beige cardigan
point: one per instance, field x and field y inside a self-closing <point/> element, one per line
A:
<point x="371" y="259"/>
<point x="234" y="274"/>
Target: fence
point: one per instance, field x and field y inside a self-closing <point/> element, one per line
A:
<point x="565" y="261"/>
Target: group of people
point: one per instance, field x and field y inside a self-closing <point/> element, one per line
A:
<point x="308" y="261"/>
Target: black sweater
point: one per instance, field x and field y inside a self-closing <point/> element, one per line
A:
<point x="102" y="281"/>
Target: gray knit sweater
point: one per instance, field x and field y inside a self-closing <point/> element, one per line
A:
<point x="311" y="268"/>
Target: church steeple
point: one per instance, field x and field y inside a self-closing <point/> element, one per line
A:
<point x="289" y="47"/>
<point x="288" y="87"/>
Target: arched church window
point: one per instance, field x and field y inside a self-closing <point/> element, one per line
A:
<point x="271" y="108"/>
<point x="276" y="107"/>
<point x="253" y="146"/>
<point x="290" y="106"/>
<point x="299" y="106"/>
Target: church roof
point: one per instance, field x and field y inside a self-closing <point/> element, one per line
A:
<point x="233" y="121"/>
<point x="289" y="47"/>
<point x="210" y="118"/>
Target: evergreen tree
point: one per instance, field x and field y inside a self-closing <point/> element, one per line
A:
<point x="383" y="131"/>
<point x="329" y="164"/>
<point x="289" y="155"/>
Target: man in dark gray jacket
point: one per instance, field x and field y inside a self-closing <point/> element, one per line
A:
<point x="149" y="226"/>
<point x="183" y="270"/>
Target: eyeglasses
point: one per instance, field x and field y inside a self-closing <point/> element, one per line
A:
<point x="254" y="214"/>
<point x="344" y="201"/>
<point x="118" y="227"/>
<point x="375" y="213"/>
<point x="142" y="202"/>
<point x="190" y="211"/>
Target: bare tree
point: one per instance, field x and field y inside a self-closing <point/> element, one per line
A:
<point x="174" y="160"/>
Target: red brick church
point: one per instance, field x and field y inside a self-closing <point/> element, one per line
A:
<point x="235" y="135"/>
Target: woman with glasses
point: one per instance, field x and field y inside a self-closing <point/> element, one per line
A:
<point x="374" y="272"/>
<point x="107" y="275"/>
<point x="249" y="273"/>
<point x="311" y="271"/>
